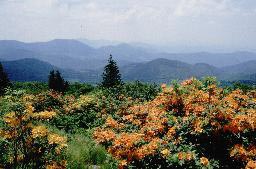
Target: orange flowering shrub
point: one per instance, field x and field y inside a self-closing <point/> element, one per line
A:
<point x="193" y="124"/>
<point x="70" y="113"/>
<point x="29" y="143"/>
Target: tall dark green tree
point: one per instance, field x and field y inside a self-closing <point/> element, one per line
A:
<point x="56" y="82"/>
<point x="111" y="76"/>
<point x="4" y="80"/>
<point x="51" y="80"/>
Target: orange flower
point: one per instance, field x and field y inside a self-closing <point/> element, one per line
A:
<point x="189" y="156"/>
<point x="44" y="115"/>
<point x="122" y="164"/>
<point x="56" y="139"/>
<point x="188" y="82"/>
<point x="251" y="165"/>
<point x="110" y="122"/>
<point x="198" y="126"/>
<point x="39" y="131"/>
<point x="204" y="161"/>
<point x="165" y="152"/>
<point x="193" y="105"/>
<point x="11" y="119"/>
<point x="180" y="156"/>
<point x="102" y="136"/>
<point x="163" y="86"/>
<point x="55" y="165"/>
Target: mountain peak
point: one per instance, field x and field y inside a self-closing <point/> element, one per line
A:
<point x="67" y="41"/>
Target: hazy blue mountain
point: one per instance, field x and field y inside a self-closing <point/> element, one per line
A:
<point x="57" y="46"/>
<point x="99" y="43"/>
<point x="70" y="54"/>
<point x="158" y="70"/>
<point x="35" y="70"/>
<point x="28" y="70"/>
<point x="203" y="69"/>
<point x="67" y="47"/>
<point x="13" y="50"/>
<point x="251" y="78"/>
<point x="63" y="53"/>
<point x="242" y="71"/>
<point x="81" y="62"/>
<point x="248" y="67"/>
<point x="126" y="52"/>
<point x="215" y="59"/>
<point x="73" y="54"/>
<point x="164" y="70"/>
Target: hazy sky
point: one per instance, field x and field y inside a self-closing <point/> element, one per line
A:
<point x="227" y="23"/>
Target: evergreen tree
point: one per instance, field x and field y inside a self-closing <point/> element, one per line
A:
<point x="4" y="80"/>
<point x="56" y="82"/>
<point x="111" y="76"/>
<point x="51" y="80"/>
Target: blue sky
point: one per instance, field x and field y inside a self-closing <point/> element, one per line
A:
<point x="229" y="24"/>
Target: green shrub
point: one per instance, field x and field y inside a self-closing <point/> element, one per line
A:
<point x="78" y="89"/>
<point x="82" y="112"/>
<point x="141" y="91"/>
<point x="83" y="153"/>
<point x="30" y="87"/>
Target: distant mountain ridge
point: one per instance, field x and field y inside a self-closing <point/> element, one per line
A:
<point x="63" y="53"/>
<point x="164" y="70"/>
<point x="30" y="69"/>
<point x="77" y="55"/>
<point x="81" y="62"/>
<point x="158" y="71"/>
<point x="98" y="43"/>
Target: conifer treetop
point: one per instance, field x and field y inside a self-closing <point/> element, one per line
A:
<point x="111" y="76"/>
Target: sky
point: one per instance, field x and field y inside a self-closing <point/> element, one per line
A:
<point x="227" y="24"/>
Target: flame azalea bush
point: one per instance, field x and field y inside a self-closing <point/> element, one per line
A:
<point x="77" y="113"/>
<point x="29" y="114"/>
<point x="71" y="112"/>
<point x="195" y="124"/>
<point x="81" y="112"/>
<point x="26" y="141"/>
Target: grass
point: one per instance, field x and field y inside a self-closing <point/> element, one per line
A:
<point x="84" y="153"/>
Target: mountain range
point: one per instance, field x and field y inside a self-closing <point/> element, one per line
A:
<point x="30" y="69"/>
<point x="79" y="61"/>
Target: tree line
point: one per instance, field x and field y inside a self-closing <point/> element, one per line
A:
<point x="111" y="77"/>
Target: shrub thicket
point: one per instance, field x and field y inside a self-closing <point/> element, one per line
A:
<point x="194" y="124"/>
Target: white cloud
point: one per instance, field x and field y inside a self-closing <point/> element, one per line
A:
<point x="202" y="7"/>
<point x="162" y="21"/>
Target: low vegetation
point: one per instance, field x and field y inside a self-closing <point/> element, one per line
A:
<point x="193" y="124"/>
<point x="188" y="124"/>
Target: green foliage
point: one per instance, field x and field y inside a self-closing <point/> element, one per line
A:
<point x="30" y="87"/>
<point x="79" y="113"/>
<point x="84" y="107"/>
<point x="24" y="146"/>
<point x="4" y="80"/>
<point x="49" y="100"/>
<point x="141" y="91"/>
<point x="84" y="153"/>
<point x="78" y="89"/>
<point x="56" y="82"/>
<point x="88" y="111"/>
<point x="243" y="86"/>
<point x="111" y="76"/>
